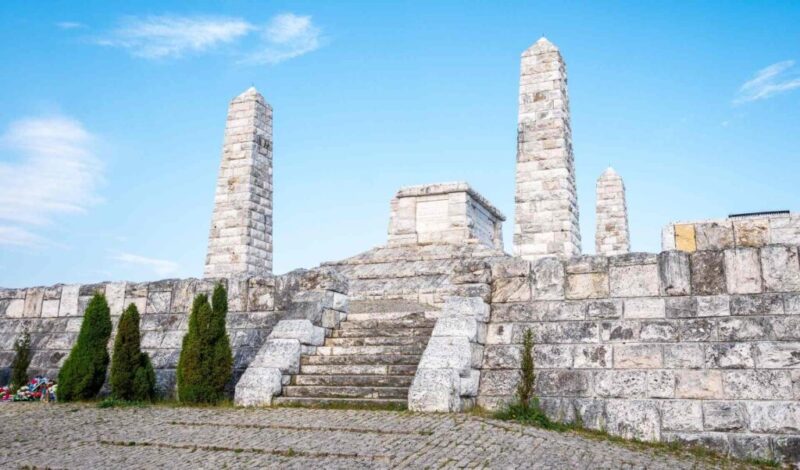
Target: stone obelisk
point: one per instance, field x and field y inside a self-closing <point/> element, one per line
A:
<point x="240" y="240"/>
<point x="611" y="236"/>
<point x="546" y="214"/>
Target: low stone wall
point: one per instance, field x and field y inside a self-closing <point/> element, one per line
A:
<point x="701" y="347"/>
<point x="53" y="316"/>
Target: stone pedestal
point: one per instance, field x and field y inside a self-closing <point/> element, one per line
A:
<point x="444" y="213"/>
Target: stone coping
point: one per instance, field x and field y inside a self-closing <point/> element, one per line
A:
<point x="447" y="188"/>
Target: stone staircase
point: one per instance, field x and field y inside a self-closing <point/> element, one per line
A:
<point x="370" y="360"/>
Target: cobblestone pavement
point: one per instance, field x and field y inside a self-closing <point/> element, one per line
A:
<point x="84" y="436"/>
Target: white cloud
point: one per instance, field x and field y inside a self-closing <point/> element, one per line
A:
<point x="161" y="267"/>
<point x="56" y="173"/>
<point x="286" y="36"/>
<point x="157" y="37"/>
<point x="70" y="25"/>
<point x="769" y="81"/>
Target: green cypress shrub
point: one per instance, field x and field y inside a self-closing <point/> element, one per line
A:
<point x="84" y="371"/>
<point x="129" y="378"/>
<point x="206" y="362"/>
<point x="144" y="381"/>
<point x="222" y="358"/>
<point x="22" y="359"/>
<point x="527" y="372"/>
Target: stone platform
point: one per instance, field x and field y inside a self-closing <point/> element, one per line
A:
<point x="83" y="436"/>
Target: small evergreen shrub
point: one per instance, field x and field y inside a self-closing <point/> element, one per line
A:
<point x="22" y="359"/>
<point x="206" y="361"/>
<point x="84" y="371"/>
<point x="132" y="377"/>
<point x="525" y="408"/>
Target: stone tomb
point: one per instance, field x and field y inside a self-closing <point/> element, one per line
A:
<point x="444" y="213"/>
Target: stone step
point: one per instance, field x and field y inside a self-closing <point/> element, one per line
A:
<point x="344" y="392"/>
<point x="358" y="369"/>
<point x="375" y="332"/>
<point x="408" y="322"/>
<point x="397" y="305"/>
<point x="369" y="350"/>
<point x="384" y="316"/>
<point x="389" y="403"/>
<point x="383" y="359"/>
<point x="354" y="380"/>
<point x="378" y="341"/>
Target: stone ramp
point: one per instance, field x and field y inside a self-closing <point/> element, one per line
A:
<point x="369" y="360"/>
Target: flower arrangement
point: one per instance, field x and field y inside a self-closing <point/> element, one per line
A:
<point x="38" y="388"/>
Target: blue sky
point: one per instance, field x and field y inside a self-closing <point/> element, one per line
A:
<point x="112" y="117"/>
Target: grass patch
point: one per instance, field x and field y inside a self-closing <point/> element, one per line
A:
<point x="116" y="403"/>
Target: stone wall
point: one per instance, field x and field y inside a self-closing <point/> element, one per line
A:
<point x="53" y="315"/>
<point x="701" y="347"/>
<point x="740" y="232"/>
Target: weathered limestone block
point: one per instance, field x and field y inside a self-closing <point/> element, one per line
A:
<point x="763" y="304"/>
<point x="660" y="384"/>
<point x="258" y="386"/>
<point x="158" y="301"/>
<point x="301" y="330"/>
<point x="697" y="330"/>
<point x="467" y="306"/>
<point x="658" y="331"/>
<point x="281" y="354"/>
<point x="548" y="279"/>
<point x="708" y="273"/>
<point x="758" y="384"/>
<point x="730" y="356"/>
<point x="684" y="356"/>
<point x="261" y="293"/>
<point x="461" y="326"/>
<point x="547" y="356"/>
<point x="668" y="238"/>
<point x="633" y="419"/>
<point x="469" y="385"/>
<point x="14" y="308"/>
<point x="115" y="296"/>
<point x="724" y="416"/>
<point x="778" y="355"/>
<point x="682" y="415"/>
<point x="743" y="271"/>
<point x="563" y="383"/>
<point x="620" y="383"/>
<point x="745" y="329"/>
<point x="774" y="416"/>
<point x="634" y="281"/>
<point x="514" y="289"/>
<point x="781" y="269"/>
<point x="645" y="308"/>
<point x="714" y="235"/>
<point x="616" y="331"/>
<point x="435" y="390"/>
<point x="50" y="308"/>
<point x="698" y="384"/>
<point x="501" y="382"/>
<point x="587" y="286"/>
<point x="591" y="356"/>
<point x="681" y="307"/>
<point x="448" y="353"/>
<point x="674" y="273"/>
<point x="604" y="309"/>
<point x="713" y="306"/>
<point x="751" y="232"/>
<point x="33" y="303"/>
<point x="586" y="264"/>
<point x="510" y="267"/>
<point x="637" y="356"/>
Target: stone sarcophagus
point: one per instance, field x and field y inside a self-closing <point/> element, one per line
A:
<point x="444" y="213"/>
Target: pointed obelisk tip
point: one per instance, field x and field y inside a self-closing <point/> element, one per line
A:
<point x="610" y="172"/>
<point x="249" y="93"/>
<point x="541" y="46"/>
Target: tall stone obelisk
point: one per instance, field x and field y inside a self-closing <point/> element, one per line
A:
<point x="611" y="236"/>
<point x="240" y="240"/>
<point x="546" y="215"/>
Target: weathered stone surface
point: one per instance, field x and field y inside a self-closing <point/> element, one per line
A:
<point x="611" y="234"/>
<point x="758" y="384"/>
<point x="301" y="330"/>
<point x="473" y="307"/>
<point x="548" y="279"/>
<point x="685" y="238"/>
<point x="658" y="331"/>
<point x="633" y="419"/>
<point x="777" y="355"/>
<point x="764" y="304"/>
<point x="751" y="232"/>
<point x="660" y="384"/>
<point x="708" y="273"/>
<point x="724" y="416"/>
<point x="681" y="307"/>
<point x="619" y="331"/>
<point x="781" y="268"/>
<point x="714" y="235"/>
<point x="565" y="383"/>
<point x="744" y="329"/>
<point x="460" y="327"/>
<point x="591" y="356"/>
<point x="261" y="293"/>
<point x="435" y="390"/>
<point x="587" y="286"/>
<point x="743" y="271"/>
<point x="158" y="302"/>
<point x="513" y="289"/>
<point x="620" y="383"/>
<point x="281" y="354"/>
<point x="713" y="306"/>
<point x="637" y="356"/>
<point x="258" y="386"/>
<point x="511" y="267"/>
<point x="697" y="330"/>
<point x="773" y="416"/>
<point x="585" y="264"/>
<point x="645" y="308"/>
<point x="549" y="356"/>
<point x="682" y="415"/>
<point x="634" y="281"/>
<point x="730" y="356"/>
<point x="684" y="356"/>
<point x="603" y="309"/>
<point x="448" y="353"/>
<point x="674" y="273"/>
<point x="698" y="384"/>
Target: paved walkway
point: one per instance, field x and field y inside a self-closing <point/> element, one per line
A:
<point x="83" y="436"/>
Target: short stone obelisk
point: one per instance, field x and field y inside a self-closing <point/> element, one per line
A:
<point x="240" y="241"/>
<point x="611" y="237"/>
<point x="546" y="215"/>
